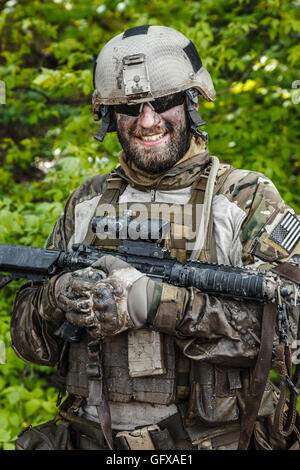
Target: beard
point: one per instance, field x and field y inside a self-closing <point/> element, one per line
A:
<point x="153" y="160"/>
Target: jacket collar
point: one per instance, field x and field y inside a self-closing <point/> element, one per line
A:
<point x="181" y="175"/>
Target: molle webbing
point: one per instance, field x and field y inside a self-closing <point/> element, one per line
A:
<point x="77" y="380"/>
<point x="121" y="387"/>
<point x="182" y="377"/>
<point x="159" y="389"/>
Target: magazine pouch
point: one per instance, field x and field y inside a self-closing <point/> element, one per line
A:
<point x="46" y="436"/>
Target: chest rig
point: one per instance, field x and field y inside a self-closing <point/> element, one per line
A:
<point x="162" y="375"/>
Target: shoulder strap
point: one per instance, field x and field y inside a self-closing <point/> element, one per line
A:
<point x="259" y="377"/>
<point x="211" y="181"/>
<point x="115" y="185"/>
<point x="206" y="212"/>
<point x="210" y="247"/>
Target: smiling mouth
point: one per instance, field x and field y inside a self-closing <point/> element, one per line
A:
<point x="154" y="138"/>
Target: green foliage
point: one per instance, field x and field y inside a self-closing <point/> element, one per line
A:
<point x="47" y="50"/>
<point x="25" y="397"/>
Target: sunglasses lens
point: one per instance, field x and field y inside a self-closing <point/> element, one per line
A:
<point x="133" y="110"/>
<point x="160" y="105"/>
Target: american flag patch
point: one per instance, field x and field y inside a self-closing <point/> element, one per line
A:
<point x="287" y="233"/>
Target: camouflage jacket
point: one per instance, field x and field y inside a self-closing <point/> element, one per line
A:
<point x="247" y="215"/>
<point x="218" y="338"/>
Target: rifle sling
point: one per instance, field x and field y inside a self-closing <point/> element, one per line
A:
<point x="285" y="424"/>
<point x="283" y="364"/>
<point x="290" y="272"/>
<point x="259" y="377"/>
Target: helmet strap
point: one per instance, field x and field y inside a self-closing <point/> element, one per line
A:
<point x="194" y="118"/>
<point x="107" y="123"/>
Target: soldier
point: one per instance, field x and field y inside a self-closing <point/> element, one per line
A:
<point x="180" y="368"/>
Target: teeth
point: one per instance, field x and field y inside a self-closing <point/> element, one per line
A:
<point x="152" y="137"/>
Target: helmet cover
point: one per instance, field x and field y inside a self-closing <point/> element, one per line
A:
<point x="147" y="62"/>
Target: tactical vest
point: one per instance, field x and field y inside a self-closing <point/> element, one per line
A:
<point x="171" y="377"/>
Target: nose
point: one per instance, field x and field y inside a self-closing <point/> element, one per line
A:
<point x="148" y="117"/>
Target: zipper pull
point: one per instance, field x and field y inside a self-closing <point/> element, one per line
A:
<point x="152" y="195"/>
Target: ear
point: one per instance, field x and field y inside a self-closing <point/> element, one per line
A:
<point x="197" y="105"/>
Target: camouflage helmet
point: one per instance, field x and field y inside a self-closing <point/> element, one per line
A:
<point x="144" y="63"/>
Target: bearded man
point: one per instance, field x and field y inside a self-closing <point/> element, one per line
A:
<point x="158" y="366"/>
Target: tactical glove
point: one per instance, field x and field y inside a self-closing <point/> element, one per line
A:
<point x="107" y="298"/>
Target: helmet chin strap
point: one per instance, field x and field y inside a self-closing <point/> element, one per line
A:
<point x="107" y="123"/>
<point x="194" y="119"/>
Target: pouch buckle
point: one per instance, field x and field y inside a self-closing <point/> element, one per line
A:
<point x="139" y="439"/>
<point x="94" y="370"/>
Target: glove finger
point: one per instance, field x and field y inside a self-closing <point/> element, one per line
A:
<point x="82" y="305"/>
<point x="107" y="304"/>
<point x="109" y="263"/>
<point x="79" y="319"/>
<point x="88" y="274"/>
<point x="107" y="288"/>
<point x="81" y="286"/>
<point x="102" y="296"/>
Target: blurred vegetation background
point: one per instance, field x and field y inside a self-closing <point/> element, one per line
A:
<point x="47" y="52"/>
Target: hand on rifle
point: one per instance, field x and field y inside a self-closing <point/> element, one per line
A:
<point x="107" y="298"/>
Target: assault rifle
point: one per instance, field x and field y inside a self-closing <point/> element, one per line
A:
<point x="240" y="283"/>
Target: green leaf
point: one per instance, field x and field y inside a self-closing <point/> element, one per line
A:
<point x="5" y="435"/>
<point x="31" y="406"/>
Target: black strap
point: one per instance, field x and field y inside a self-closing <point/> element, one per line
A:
<point x="97" y="392"/>
<point x="175" y="427"/>
<point x="107" y="124"/>
<point x="193" y="55"/>
<point x="136" y="30"/>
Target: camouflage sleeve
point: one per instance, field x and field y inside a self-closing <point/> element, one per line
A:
<point x="270" y="231"/>
<point x="209" y="328"/>
<point x="35" y="316"/>
<point x="228" y="331"/>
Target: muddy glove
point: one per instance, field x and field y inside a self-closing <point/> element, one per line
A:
<point x="105" y="306"/>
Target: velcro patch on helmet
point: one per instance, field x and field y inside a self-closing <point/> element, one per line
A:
<point x="286" y="234"/>
<point x="193" y="55"/>
<point x="136" y="31"/>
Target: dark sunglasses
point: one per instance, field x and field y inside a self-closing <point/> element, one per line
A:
<point x="160" y="105"/>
